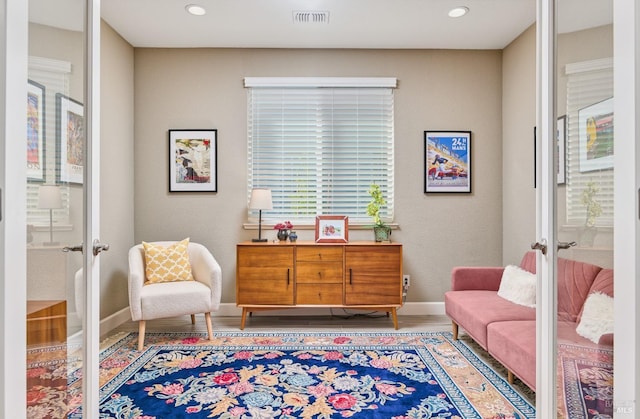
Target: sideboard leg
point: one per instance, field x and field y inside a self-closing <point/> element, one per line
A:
<point x="394" y="315"/>
<point x="243" y="318"/>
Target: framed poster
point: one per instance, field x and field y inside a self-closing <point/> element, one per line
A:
<point x="561" y="143"/>
<point x="332" y="229"/>
<point x="70" y="139"/>
<point x="35" y="131"/>
<point x="193" y="160"/>
<point x="595" y="133"/>
<point x="447" y="161"/>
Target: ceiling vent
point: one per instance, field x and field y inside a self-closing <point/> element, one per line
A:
<point x="310" y="17"/>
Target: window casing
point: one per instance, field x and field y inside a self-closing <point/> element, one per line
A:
<point x="319" y="144"/>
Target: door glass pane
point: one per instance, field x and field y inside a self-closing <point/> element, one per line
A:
<point x="585" y="209"/>
<point x="55" y="149"/>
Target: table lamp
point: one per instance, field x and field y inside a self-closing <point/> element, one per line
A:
<point x="260" y="200"/>
<point x="50" y="197"/>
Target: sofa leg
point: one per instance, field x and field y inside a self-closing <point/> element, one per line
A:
<point x="193" y="319"/>
<point x="509" y="376"/>
<point x="455" y="330"/>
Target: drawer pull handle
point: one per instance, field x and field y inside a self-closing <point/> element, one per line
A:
<point x="320" y="274"/>
<point x="350" y="276"/>
<point x="288" y="270"/>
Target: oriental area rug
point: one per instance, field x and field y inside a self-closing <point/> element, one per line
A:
<point x="302" y="375"/>
<point x="306" y="375"/>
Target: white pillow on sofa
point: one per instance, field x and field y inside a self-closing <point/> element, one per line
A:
<point x="597" y="317"/>
<point x="518" y="286"/>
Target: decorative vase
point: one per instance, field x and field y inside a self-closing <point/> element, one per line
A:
<point x="283" y="234"/>
<point x="293" y="237"/>
<point x="382" y="233"/>
<point x="587" y="236"/>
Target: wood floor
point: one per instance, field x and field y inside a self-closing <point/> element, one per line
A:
<point x="336" y="320"/>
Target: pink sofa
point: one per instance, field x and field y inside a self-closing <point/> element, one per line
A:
<point x="507" y="330"/>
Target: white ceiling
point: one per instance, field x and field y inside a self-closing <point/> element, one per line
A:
<point x="490" y="24"/>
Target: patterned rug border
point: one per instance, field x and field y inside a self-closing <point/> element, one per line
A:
<point x="453" y="391"/>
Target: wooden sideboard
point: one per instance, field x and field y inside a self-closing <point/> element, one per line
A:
<point x="357" y="275"/>
<point x="46" y="322"/>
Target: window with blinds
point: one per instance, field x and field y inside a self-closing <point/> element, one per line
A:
<point x="54" y="76"/>
<point x="319" y="144"/>
<point x="589" y="93"/>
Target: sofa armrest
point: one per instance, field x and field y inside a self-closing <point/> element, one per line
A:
<point x="476" y="278"/>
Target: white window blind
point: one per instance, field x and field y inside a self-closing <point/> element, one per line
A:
<point x="588" y="83"/>
<point x="320" y="148"/>
<point x="54" y="76"/>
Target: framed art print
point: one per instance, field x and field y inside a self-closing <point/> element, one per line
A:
<point x="447" y="161"/>
<point x="35" y="132"/>
<point x="595" y="133"/>
<point x="193" y="160"/>
<point x="70" y="139"/>
<point x="332" y="229"/>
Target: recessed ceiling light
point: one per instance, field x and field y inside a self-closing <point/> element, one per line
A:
<point x="196" y="10"/>
<point x="458" y="11"/>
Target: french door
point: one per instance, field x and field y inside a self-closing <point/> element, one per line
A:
<point x="587" y="202"/>
<point x="50" y="209"/>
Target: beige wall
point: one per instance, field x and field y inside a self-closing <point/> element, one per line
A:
<point x="116" y="168"/>
<point x="519" y="118"/>
<point x="203" y="88"/>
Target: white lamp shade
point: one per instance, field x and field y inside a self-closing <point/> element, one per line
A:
<point x="260" y="199"/>
<point x="49" y="197"/>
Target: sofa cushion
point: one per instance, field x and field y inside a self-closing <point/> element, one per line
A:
<point x="513" y="344"/>
<point x="518" y="286"/>
<point x="574" y="282"/>
<point x="602" y="284"/>
<point x="528" y="262"/>
<point x="469" y="309"/>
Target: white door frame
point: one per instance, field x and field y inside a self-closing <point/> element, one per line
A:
<point x="91" y="204"/>
<point x="13" y="241"/>
<point x="546" y="312"/>
<point x="626" y="71"/>
<point x="13" y="289"/>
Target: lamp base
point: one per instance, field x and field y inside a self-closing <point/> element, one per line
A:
<point x="258" y="240"/>
<point x="51" y="243"/>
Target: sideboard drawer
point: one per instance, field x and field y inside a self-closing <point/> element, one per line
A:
<point x="319" y="273"/>
<point x="319" y="294"/>
<point x="319" y="253"/>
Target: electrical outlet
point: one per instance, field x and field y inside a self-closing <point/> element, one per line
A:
<point x="406" y="280"/>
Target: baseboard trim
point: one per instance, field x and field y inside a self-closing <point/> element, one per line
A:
<point x="231" y="310"/>
<point x="116" y="319"/>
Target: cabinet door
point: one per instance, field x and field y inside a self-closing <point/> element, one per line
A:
<point x="264" y="275"/>
<point x="373" y="275"/>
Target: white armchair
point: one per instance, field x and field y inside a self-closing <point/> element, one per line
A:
<point x="170" y="299"/>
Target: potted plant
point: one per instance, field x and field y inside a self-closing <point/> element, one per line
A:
<point x="593" y="211"/>
<point x="381" y="231"/>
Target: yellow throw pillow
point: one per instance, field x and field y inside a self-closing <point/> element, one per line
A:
<point x="167" y="264"/>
